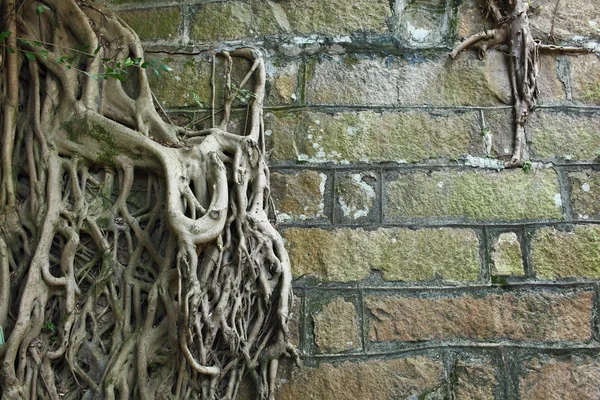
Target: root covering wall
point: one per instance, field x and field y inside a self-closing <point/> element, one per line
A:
<point x="423" y="269"/>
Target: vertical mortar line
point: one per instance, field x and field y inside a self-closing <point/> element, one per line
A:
<point x="301" y="325"/>
<point x="361" y="312"/>
<point x="565" y="193"/>
<point x="595" y="316"/>
<point x="380" y="194"/>
<point x="526" y="236"/>
<point x="302" y="76"/>
<point x="186" y="13"/>
<point x="304" y="336"/>
<point x="332" y="216"/>
<point x="449" y="360"/>
<point x="485" y="255"/>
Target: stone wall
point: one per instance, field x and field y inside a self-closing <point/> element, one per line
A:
<point x="423" y="270"/>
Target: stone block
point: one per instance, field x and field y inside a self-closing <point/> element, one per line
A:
<point x="474" y="380"/>
<point x="336" y="326"/>
<point x="585" y="193"/>
<point x="507" y="258"/>
<point x="299" y="196"/>
<point x="153" y="23"/>
<point x="356" y="198"/>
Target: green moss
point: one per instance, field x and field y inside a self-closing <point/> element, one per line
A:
<point x="159" y="23"/>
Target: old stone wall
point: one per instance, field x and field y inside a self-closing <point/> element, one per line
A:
<point x="422" y="269"/>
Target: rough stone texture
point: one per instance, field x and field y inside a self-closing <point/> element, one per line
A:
<point x="573" y="20"/>
<point x="475" y="380"/>
<point x="401" y="254"/>
<point x="586" y="78"/>
<point x="368" y="136"/>
<point x="471" y="19"/>
<point x="564" y="135"/>
<point x="282" y="87"/>
<point x="294" y="321"/>
<point x="164" y="22"/>
<point x="573" y="378"/>
<point x="407" y="378"/>
<point x="474" y="195"/>
<point x="421" y="23"/>
<point x="298" y="196"/>
<point x="336" y="327"/>
<point x="390" y="81"/>
<point x="519" y="316"/>
<point x="507" y="258"/>
<point x="355" y="196"/>
<point x="585" y="192"/>
<point x="235" y="20"/>
<point x="557" y="254"/>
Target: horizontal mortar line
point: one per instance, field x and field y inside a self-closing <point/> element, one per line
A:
<point x="386" y="287"/>
<point x="451" y="224"/>
<point x="463" y="346"/>
<point x="391" y="166"/>
<point x="148" y="5"/>
<point x="568" y="107"/>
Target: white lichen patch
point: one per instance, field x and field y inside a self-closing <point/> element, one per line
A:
<point x="486" y="163"/>
<point x="585" y="187"/>
<point x="355" y="196"/>
<point x="558" y="200"/>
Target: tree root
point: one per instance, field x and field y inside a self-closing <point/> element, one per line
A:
<point x="181" y="292"/>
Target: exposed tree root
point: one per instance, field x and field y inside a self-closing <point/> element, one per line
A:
<point x="133" y="263"/>
<point x="512" y="36"/>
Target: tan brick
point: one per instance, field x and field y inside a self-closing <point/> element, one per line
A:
<point x="471" y="19"/>
<point x="475" y="380"/>
<point x="235" y="20"/>
<point x="368" y="136"/>
<point x="585" y="193"/>
<point x="474" y="195"/>
<point x="298" y="196"/>
<point x="572" y="20"/>
<point x="563" y="135"/>
<point x="378" y="81"/>
<point x="507" y="258"/>
<point x="401" y="254"/>
<point x="539" y="316"/>
<point x="408" y="378"/>
<point x="557" y="254"/>
<point x="336" y="327"/>
<point x="586" y="78"/>
<point x="356" y="195"/>
<point x="156" y="23"/>
<point x="573" y="378"/>
<point x="294" y="321"/>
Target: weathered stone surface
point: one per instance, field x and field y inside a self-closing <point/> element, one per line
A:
<point x="407" y="378"/>
<point x="336" y="327"/>
<point x="471" y="19"/>
<point x="507" y="258"/>
<point x="390" y="81"/>
<point x="294" y="321"/>
<point x="235" y="20"/>
<point x="298" y="196"/>
<point x="557" y="254"/>
<point x="373" y="137"/>
<point x="474" y="195"/>
<point x="585" y="193"/>
<point x="586" y="78"/>
<point x="564" y="135"/>
<point x="402" y="254"/>
<point x="282" y="87"/>
<point x="572" y="19"/>
<point x="355" y="196"/>
<point x="573" y="378"/>
<point x="521" y="316"/>
<point x="475" y="380"/>
<point x="421" y="23"/>
<point x="155" y="23"/>
<point x="499" y="124"/>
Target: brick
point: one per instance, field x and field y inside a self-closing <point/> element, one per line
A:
<point x="471" y="19"/>
<point x="585" y="192"/>
<point x="393" y="81"/>
<point x="573" y="19"/>
<point x="407" y="378"/>
<point x="585" y="71"/>
<point x="156" y="23"/>
<point x="367" y="136"/>
<point x="421" y="23"/>
<point x="518" y="316"/>
<point x="507" y="258"/>
<point x="345" y="255"/>
<point x="235" y="20"/>
<point x="336" y="327"/>
<point x="564" y="135"/>
<point x="282" y="83"/>
<point x="474" y="195"/>
<point x="474" y="380"/>
<point x="294" y="321"/>
<point x="356" y="195"/>
<point x="555" y="378"/>
<point x="299" y="196"/>
<point x="556" y="254"/>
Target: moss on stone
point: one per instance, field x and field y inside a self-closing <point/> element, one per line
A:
<point x="347" y="255"/>
<point x="507" y="258"/>
<point x="298" y="196"/>
<point x="585" y="193"/>
<point x="157" y="23"/>
<point x="556" y="254"/>
<point x="475" y="195"/>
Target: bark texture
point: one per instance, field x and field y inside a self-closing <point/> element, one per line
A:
<point x="137" y="259"/>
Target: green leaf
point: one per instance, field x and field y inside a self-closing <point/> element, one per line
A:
<point x="40" y="9"/>
<point x="25" y="41"/>
<point x="29" y="55"/>
<point x="98" y="49"/>
<point x="37" y="43"/>
<point x="10" y="50"/>
<point x="4" y="35"/>
<point x="85" y="48"/>
<point x="165" y="67"/>
<point x="145" y="64"/>
<point x="68" y="67"/>
<point x="94" y="77"/>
